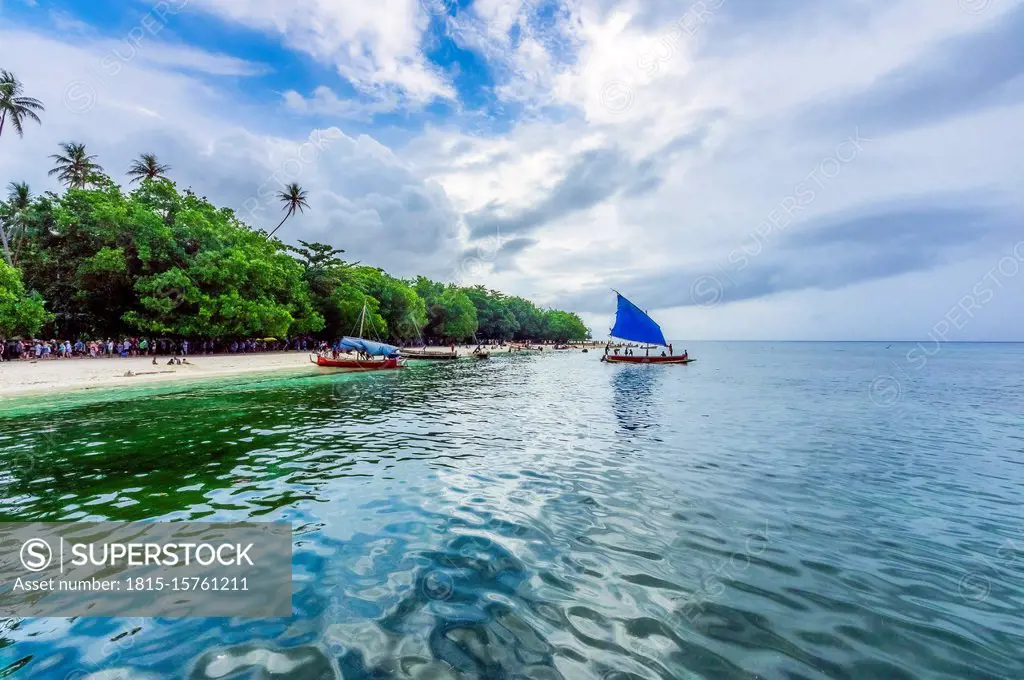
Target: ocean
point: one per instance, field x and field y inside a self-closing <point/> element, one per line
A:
<point x="773" y="510"/>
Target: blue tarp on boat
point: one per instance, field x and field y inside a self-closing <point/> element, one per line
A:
<point x="376" y="349"/>
<point x="633" y="324"/>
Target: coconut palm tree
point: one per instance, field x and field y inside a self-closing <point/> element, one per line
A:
<point x="19" y="196"/>
<point x="75" y="168"/>
<point x="13" y="106"/>
<point x="294" y="198"/>
<point x="146" y="166"/>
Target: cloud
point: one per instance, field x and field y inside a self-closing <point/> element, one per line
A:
<point x="595" y="175"/>
<point x="918" y="234"/>
<point x="958" y="75"/>
<point x="598" y="142"/>
<point x="325" y="102"/>
<point x="376" y="46"/>
<point x="363" y="196"/>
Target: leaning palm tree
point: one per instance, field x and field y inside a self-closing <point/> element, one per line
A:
<point x="13" y="106"/>
<point x="146" y="166"/>
<point x="19" y="197"/>
<point x="294" y="198"/>
<point x="75" y="168"/>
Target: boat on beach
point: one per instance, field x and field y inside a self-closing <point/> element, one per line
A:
<point x="635" y="325"/>
<point x="370" y="355"/>
<point x="429" y="356"/>
<point x="357" y="364"/>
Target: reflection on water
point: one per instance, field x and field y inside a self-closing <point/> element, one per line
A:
<point x="753" y="515"/>
<point x="637" y="400"/>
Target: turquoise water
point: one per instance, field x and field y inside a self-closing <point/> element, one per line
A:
<point x="774" y="510"/>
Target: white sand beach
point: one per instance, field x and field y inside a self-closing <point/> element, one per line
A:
<point x="59" y="375"/>
<point x="50" y="375"/>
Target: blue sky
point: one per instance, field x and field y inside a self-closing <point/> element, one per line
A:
<point x="745" y="168"/>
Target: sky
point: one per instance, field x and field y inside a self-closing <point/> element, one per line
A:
<point x="742" y="169"/>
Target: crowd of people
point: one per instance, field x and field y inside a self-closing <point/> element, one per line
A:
<point x="36" y="349"/>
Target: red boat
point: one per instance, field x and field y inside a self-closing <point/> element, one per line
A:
<point x="636" y="325"/>
<point x="375" y="364"/>
<point x="613" y="359"/>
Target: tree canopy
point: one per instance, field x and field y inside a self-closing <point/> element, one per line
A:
<point x="158" y="261"/>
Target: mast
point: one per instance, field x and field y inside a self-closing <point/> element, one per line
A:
<point x="362" y="317"/>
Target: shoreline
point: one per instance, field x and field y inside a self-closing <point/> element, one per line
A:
<point x="23" y="378"/>
<point x="31" y="378"/>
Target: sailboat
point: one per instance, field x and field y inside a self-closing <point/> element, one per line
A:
<point x="372" y="355"/>
<point x="633" y="324"/>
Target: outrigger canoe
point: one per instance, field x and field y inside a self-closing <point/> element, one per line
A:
<point x="372" y="364"/>
<point x="371" y="355"/>
<point x="612" y="359"/>
<point x="635" y="325"/>
<point x="429" y="356"/>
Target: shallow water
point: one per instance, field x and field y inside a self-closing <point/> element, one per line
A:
<point x="786" y="510"/>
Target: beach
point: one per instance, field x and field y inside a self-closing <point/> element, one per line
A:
<point x="53" y="375"/>
<point x="49" y="375"/>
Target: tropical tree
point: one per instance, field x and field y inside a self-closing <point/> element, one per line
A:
<point x="146" y="166"/>
<point x="20" y="312"/>
<point x="75" y="168"/>
<point x="294" y="198"/>
<point x="18" y="198"/>
<point x="15" y="107"/>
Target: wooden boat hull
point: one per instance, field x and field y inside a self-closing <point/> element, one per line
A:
<point x="430" y="356"/>
<point x="358" y="364"/>
<point x="481" y="355"/>
<point x="612" y="359"/>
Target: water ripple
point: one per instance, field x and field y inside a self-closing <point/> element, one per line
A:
<point x="753" y="515"/>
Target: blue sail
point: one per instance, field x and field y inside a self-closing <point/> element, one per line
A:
<point x="632" y="323"/>
<point x="372" y="348"/>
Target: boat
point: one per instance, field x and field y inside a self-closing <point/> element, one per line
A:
<point x="371" y="355"/>
<point x="429" y="356"/>
<point x="634" y="325"/>
<point x="481" y="354"/>
<point x="356" y="364"/>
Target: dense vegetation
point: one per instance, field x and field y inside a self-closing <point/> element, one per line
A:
<point x="96" y="261"/>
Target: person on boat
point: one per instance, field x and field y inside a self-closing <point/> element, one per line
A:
<point x="607" y="347"/>
<point x="670" y="349"/>
<point x="662" y="352"/>
<point x="686" y="354"/>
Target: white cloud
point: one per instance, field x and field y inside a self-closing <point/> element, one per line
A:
<point x="325" y="102"/>
<point x="363" y="196"/>
<point x="377" y="46"/>
<point x="694" y="150"/>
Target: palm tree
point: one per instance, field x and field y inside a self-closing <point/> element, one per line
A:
<point x="15" y="107"/>
<point x="75" y="168"/>
<point x="294" y="198"/>
<point x="19" y="196"/>
<point x="147" y="167"/>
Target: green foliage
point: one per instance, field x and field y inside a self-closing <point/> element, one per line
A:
<point x="404" y="312"/>
<point x="20" y="313"/>
<point x="156" y="261"/>
<point x="564" y="326"/>
<point x="15" y="107"/>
